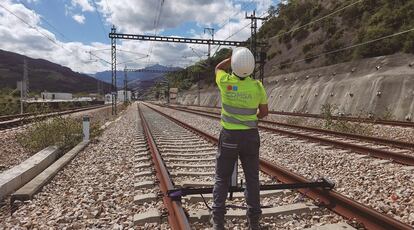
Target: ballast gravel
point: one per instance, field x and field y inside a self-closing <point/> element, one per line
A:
<point x="376" y="130"/>
<point x="11" y="151"/>
<point x="163" y="129"/>
<point x="387" y="187"/>
<point x="95" y="190"/>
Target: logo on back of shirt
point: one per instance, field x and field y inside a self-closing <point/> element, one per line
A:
<point x="232" y="88"/>
<point x="233" y="94"/>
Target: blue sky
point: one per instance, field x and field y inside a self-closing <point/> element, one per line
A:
<point x="75" y="28"/>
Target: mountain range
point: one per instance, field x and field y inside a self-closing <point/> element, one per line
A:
<point x="44" y="75"/>
<point x="135" y="79"/>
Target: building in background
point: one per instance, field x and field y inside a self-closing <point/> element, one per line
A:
<point x="124" y="95"/>
<point x="120" y="96"/>
<point x="56" y="96"/>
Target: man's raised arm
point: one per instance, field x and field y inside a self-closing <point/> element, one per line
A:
<point x="223" y="65"/>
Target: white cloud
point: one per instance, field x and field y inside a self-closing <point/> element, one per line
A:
<point x="84" y="4"/>
<point x="79" y="18"/>
<point x="36" y="42"/>
<point x="139" y="16"/>
<point x="131" y="16"/>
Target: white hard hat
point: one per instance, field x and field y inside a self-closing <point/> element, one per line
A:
<point x="242" y="62"/>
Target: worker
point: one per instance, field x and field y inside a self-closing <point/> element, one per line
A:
<point x="244" y="101"/>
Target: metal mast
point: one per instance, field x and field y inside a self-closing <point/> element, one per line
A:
<point x="253" y="42"/>
<point x="211" y="31"/>
<point x="24" y="87"/>
<point x="113" y="68"/>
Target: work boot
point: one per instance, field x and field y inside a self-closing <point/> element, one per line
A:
<point x="217" y="223"/>
<point x="254" y="223"/>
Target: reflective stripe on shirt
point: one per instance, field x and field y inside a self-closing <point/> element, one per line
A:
<point x="250" y="124"/>
<point x="238" y="111"/>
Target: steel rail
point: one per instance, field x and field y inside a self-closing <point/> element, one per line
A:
<point x="15" y="116"/>
<point x="379" y="153"/>
<point x="340" y="204"/>
<point x="395" y="143"/>
<point x="319" y="116"/>
<point x="353" y="119"/>
<point x="25" y="120"/>
<point x="176" y="215"/>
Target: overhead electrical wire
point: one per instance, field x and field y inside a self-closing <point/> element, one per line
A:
<point x="156" y="25"/>
<point x="109" y="8"/>
<point x="307" y="24"/>
<point x="133" y="60"/>
<point x="231" y="16"/>
<point x="45" y="20"/>
<point x="120" y="50"/>
<point x="351" y="46"/>
<point x="100" y="18"/>
<point x="235" y="14"/>
<point x="238" y="31"/>
<point x="35" y="28"/>
<point x="99" y="58"/>
<point x="319" y="19"/>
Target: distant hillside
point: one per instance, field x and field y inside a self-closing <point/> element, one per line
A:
<point x="295" y="44"/>
<point x="44" y="75"/>
<point x="134" y="77"/>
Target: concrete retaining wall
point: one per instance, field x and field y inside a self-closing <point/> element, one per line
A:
<point x="28" y="190"/>
<point x="382" y="86"/>
<point x="19" y="175"/>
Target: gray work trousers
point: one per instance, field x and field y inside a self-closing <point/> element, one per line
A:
<point x="233" y="144"/>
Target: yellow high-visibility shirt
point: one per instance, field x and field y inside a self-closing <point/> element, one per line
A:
<point x="240" y="100"/>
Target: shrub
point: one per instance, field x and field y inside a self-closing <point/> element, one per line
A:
<point x="409" y="44"/>
<point x="306" y="48"/>
<point x="65" y="132"/>
<point x="309" y="57"/>
<point x="327" y="113"/>
<point x="358" y="127"/>
<point x="315" y="27"/>
<point x="271" y="56"/>
<point x="286" y="38"/>
<point x="388" y="114"/>
<point x="285" y="64"/>
<point x="352" y="15"/>
<point x="382" y="47"/>
<point x="300" y="34"/>
<point x="329" y="26"/>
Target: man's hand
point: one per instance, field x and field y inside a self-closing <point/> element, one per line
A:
<point x="263" y="111"/>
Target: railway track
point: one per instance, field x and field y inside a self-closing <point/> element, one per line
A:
<point x="15" y="116"/>
<point x="398" y="151"/>
<point x="7" y="122"/>
<point x="343" y="118"/>
<point x="187" y="160"/>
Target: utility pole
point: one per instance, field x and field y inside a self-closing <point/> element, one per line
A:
<point x="113" y="68"/>
<point x="24" y="86"/>
<point x="210" y="31"/>
<point x="199" y="88"/>
<point x="253" y="39"/>
<point x="168" y="92"/>
<point x="125" y="84"/>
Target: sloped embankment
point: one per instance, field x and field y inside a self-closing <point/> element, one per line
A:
<point x="381" y="86"/>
